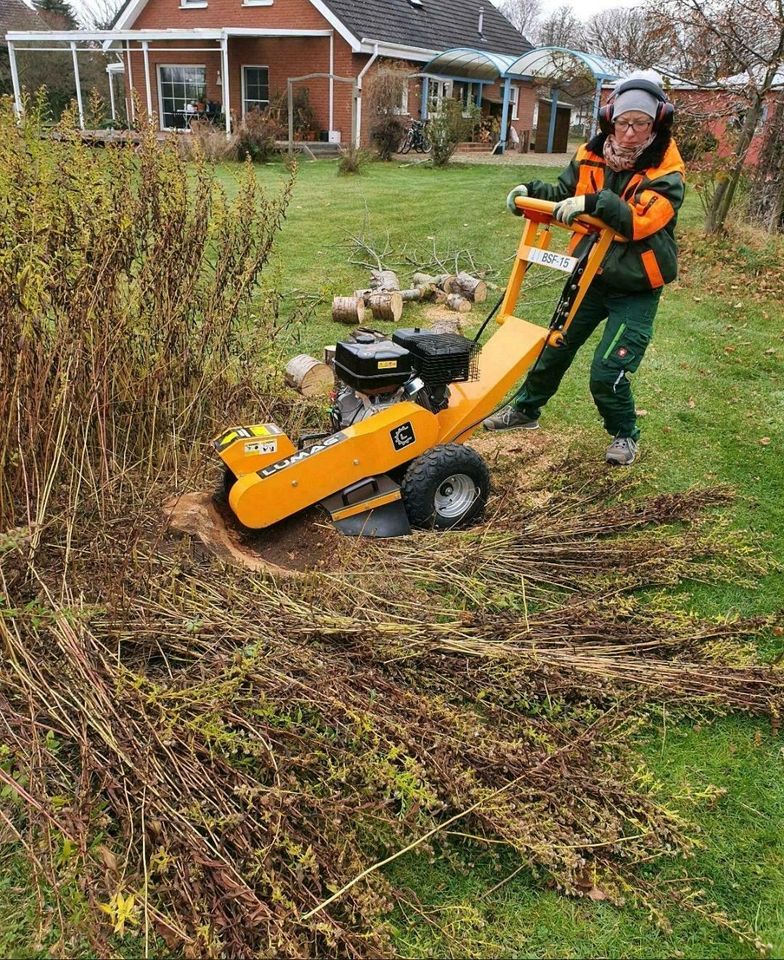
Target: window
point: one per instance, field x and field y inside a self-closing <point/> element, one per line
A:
<point x="192" y="3"/>
<point x="255" y="89"/>
<point x="401" y="108"/>
<point x="439" y="90"/>
<point x="178" y="88"/>
<point x="515" y="101"/>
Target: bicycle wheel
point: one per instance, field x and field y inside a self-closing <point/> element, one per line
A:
<point x="406" y="145"/>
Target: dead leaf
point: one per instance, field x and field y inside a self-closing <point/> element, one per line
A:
<point x="764" y="441"/>
<point x="596" y="894"/>
<point x="692" y="403"/>
<point x="109" y="859"/>
<point x="770" y="351"/>
<point x="641" y="413"/>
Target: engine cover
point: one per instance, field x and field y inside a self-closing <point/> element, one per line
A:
<point x="373" y="367"/>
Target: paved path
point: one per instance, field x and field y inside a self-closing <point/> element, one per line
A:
<point x="510" y="159"/>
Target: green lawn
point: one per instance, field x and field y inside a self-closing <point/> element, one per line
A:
<point x="712" y="389"/>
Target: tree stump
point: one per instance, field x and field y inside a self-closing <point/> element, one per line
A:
<point x="470" y="287"/>
<point x="349" y="310"/>
<point x="384" y="280"/>
<point x="309" y="376"/>
<point x="387" y="306"/>
<point x="455" y="302"/>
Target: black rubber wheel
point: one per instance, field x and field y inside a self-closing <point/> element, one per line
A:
<point x="405" y="146"/>
<point x="228" y="482"/>
<point x="445" y="488"/>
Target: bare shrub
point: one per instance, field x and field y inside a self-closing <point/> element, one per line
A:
<point x="208" y="141"/>
<point x="126" y="284"/>
<point x="352" y="160"/>
<point x="257" y="136"/>
<point x="448" y="127"/>
<point x="385" y="91"/>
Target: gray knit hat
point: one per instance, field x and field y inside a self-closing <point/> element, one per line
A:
<point x="635" y="100"/>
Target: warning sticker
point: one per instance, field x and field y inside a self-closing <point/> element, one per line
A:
<point x="546" y="258"/>
<point x="261" y="446"/>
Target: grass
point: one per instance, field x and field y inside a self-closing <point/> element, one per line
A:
<point x="711" y="391"/>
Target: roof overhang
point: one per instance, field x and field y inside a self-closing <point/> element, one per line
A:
<point x="399" y="51"/>
<point x="471" y="64"/>
<point x="554" y="63"/>
<point x="110" y="36"/>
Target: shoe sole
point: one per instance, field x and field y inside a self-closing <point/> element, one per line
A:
<point x="619" y="463"/>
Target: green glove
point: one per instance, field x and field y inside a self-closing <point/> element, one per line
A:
<point x="519" y="191"/>
<point x="568" y="209"/>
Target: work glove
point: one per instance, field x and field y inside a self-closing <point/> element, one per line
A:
<point x="519" y="191"/>
<point x="568" y="209"/>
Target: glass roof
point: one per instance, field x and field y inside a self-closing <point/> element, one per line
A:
<point x="471" y="64"/>
<point x="551" y="63"/>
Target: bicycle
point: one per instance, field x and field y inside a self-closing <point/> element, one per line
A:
<point x="416" y="137"/>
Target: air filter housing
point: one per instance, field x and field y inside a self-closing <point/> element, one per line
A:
<point x="439" y="358"/>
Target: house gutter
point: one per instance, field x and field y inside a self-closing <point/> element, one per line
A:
<point x="360" y="77"/>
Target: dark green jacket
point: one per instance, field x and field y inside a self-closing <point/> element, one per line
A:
<point x="641" y="204"/>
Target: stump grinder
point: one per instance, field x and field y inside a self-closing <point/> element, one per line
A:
<point x="403" y="408"/>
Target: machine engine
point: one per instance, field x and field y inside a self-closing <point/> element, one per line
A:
<point x="373" y="372"/>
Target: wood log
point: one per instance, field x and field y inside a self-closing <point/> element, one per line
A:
<point x="439" y="296"/>
<point x="446" y="283"/>
<point x="384" y="280"/>
<point x="387" y="305"/>
<point x="455" y="302"/>
<point x="425" y="291"/>
<point x="364" y="295"/>
<point x="423" y="280"/>
<point x="472" y="288"/>
<point x="350" y="310"/>
<point x="309" y="376"/>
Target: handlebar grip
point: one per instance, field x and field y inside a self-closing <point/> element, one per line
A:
<point x="543" y="211"/>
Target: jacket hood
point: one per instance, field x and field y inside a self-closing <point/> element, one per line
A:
<point x="652" y="156"/>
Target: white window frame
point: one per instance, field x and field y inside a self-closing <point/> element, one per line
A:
<point x="251" y="66"/>
<point x="438" y="91"/>
<point x="165" y="66"/>
<point x="193" y="4"/>
<point x="401" y="110"/>
<point x="515" y="101"/>
<point x="257" y="3"/>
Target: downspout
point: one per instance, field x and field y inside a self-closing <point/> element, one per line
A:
<point x="362" y="72"/>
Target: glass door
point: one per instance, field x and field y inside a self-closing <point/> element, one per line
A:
<point x="180" y="87"/>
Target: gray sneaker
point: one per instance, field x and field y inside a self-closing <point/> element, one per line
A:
<point x="622" y="452"/>
<point x="509" y="417"/>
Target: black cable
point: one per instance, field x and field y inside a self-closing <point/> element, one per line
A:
<point x="489" y="317"/>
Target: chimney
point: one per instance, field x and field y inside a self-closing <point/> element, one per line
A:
<point x="481" y="20"/>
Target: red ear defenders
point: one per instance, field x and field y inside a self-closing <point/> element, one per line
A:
<point x="664" y="110"/>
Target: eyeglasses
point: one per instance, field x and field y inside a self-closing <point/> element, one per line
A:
<point x="637" y="125"/>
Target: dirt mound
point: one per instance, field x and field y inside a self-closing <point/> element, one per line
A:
<point x="299" y="544"/>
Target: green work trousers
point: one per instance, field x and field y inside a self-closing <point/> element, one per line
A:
<point x="627" y="333"/>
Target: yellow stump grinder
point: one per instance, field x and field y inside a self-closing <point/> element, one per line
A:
<point x="403" y="408"/>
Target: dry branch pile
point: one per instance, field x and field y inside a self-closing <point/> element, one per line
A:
<point x="244" y="749"/>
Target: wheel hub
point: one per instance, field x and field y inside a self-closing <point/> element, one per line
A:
<point x="455" y="496"/>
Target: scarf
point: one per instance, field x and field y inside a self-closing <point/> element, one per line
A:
<point x="618" y="157"/>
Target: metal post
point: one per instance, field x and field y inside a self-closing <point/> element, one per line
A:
<point x="481" y="87"/>
<point x="131" y="97"/>
<point x="111" y="94"/>
<point x="553" y="117"/>
<point x="226" y="82"/>
<point x="354" y="100"/>
<point x="290" y="93"/>
<point x="425" y="95"/>
<point x="147" y="84"/>
<point x="505" y="114"/>
<point x="15" y="80"/>
<point x="77" y="81"/>
<point x="332" y="82"/>
<point x="596" y="100"/>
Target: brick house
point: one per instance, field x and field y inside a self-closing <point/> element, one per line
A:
<point x="260" y="44"/>
<point x="239" y="53"/>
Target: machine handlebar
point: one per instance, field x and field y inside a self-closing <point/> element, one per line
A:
<point x="542" y="211"/>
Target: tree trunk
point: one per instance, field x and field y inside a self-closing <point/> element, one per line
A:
<point x="725" y="191"/>
<point x="350" y="310"/>
<point x="470" y="287"/>
<point x="387" y="306"/>
<point x="309" y="376"/>
<point x="455" y="302"/>
<point x="384" y="280"/>
<point x="423" y="291"/>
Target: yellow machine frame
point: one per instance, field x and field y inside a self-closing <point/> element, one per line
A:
<point x="275" y="480"/>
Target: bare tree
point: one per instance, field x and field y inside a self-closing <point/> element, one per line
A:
<point x="561" y="29"/>
<point x="98" y="14"/>
<point x="633" y="37"/>
<point x="745" y="37"/>
<point x="524" y="15"/>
